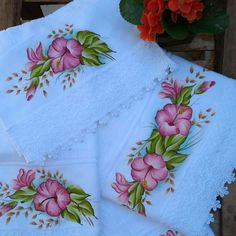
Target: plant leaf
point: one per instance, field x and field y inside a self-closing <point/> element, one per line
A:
<point x="90" y="58"/>
<point x="85" y="208"/>
<point x="178" y="30"/>
<point x="136" y="192"/>
<point x="176" y="160"/>
<point x="173" y="143"/>
<point x="92" y="41"/>
<point x="132" y="10"/>
<point x="77" y="194"/>
<point x="40" y="69"/>
<point x="72" y="213"/>
<point x="23" y="195"/>
<point x="184" y="97"/>
<point x="141" y="209"/>
<point x="213" y="21"/>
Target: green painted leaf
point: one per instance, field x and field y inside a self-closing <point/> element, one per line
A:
<point x="40" y="69"/>
<point x="141" y="209"/>
<point x="77" y="194"/>
<point x="178" y="30"/>
<point x="173" y="143"/>
<point x="213" y="21"/>
<point x="23" y="195"/>
<point x="136" y="192"/>
<point x="72" y="213"/>
<point x="90" y="58"/>
<point x="176" y="160"/>
<point x="153" y="135"/>
<point x="85" y="208"/>
<point x="90" y="40"/>
<point x="156" y="143"/>
<point x="184" y="97"/>
<point x="132" y="10"/>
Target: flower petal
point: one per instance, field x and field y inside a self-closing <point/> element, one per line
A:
<point x="154" y="160"/>
<point x="159" y="174"/>
<point x="183" y="126"/>
<point x="149" y="183"/>
<point x="168" y="130"/>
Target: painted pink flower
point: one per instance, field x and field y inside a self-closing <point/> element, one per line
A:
<point x="34" y="56"/>
<point x="169" y="233"/>
<point x="174" y="119"/>
<point x="170" y="89"/>
<point x="122" y="187"/>
<point x="31" y="91"/>
<point x="51" y="197"/>
<point x="203" y="87"/>
<point x="24" y="179"/>
<point x="65" y="54"/>
<point x="149" y="170"/>
<point x="4" y="209"/>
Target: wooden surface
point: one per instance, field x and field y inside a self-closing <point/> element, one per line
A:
<point x="10" y="13"/>
<point x="217" y="53"/>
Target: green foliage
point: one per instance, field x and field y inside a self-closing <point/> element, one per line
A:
<point x="167" y="147"/>
<point x="93" y="48"/>
<point x="40" y="69"/>
<point x="23" y="195"/>
<point x="72" y="213"/>
<point x="184" y="97"/>
<point x="131" y="10"/>
<point x="79" y="206"/>
<point x="77" y="194"/>
<point x="178" y="30"/>
<point x="136" y="192"/>
<point x="213" y="21"/>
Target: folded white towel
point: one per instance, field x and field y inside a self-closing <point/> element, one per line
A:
<point x="100" y="54"/>
<point x="174" y="180"/>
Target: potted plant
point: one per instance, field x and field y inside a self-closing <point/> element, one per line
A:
<point x="171" y="22"/>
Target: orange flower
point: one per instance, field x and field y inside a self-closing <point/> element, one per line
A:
<point x="190" y="9"/>
<point x="151" y="19"/>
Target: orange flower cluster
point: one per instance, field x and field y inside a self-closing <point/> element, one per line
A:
<point x="153" y="9"/>
<point x="189" y="9"/>
<point x="151" y="19"/>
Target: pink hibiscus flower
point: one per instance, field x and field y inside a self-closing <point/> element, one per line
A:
<point x="34" y="56"/>
<point x="203" y="87"/>
<point x="51" y="197"/>
<point x="170" y="89"/>
<point x="24" y="179"/>
<point x="31" y="91"/>
<point x="4" y="209"/>
<point x="122" y="187"/>
<point x="149" y="170"/>
<point x="174" y="119"/>
<point x="65" y="54"/>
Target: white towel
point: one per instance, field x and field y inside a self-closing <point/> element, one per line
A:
<point x="168" y="182"/>
<point x="115" y="69"/>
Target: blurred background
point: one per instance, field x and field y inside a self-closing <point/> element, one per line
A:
<point x="214" y="52"/>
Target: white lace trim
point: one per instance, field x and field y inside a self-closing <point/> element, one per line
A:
<point x="223" y="191"/>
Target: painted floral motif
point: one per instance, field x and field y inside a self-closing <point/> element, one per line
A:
<point x="154" y="160"/>
<point x="149" y="170"/>
<point x="61" y="61"/>
<point x="45" y="198"/>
